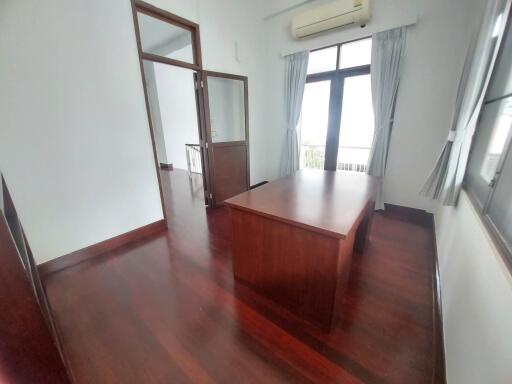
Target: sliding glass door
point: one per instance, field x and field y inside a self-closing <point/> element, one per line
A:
<point x="356" y="124"/>
<point x="336" y="126"/>
<point x="314" y="123"/>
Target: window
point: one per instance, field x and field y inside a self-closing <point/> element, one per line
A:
<point x="314" y="123"/>
<point x="355" y="53"/>
<point x="162" y="38"/>
<point x="336" y="122"/>
<point x="166" y="38"/>
<point x="488" y="177"/>
<point x="356" y="133"/>
<point x="323" y="60"/>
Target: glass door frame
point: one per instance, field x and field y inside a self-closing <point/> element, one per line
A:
<point x="208" y="130"/>
<point x="337" y="79"/>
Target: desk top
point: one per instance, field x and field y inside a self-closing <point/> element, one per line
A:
<point x="322" y="201"/>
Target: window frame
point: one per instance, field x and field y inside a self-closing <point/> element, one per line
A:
<point x="142" y="7"/>
<point x="497" y="238"/>
<point x="337" y="78"/>
<point x="504" y="249"/>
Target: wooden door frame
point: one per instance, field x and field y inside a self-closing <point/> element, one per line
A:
<point x="170" y="18"/>
<point x="197" y="66"/>
<point x="212" y="201"/>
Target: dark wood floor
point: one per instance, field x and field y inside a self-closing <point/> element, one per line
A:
<point x="166" y="309"/>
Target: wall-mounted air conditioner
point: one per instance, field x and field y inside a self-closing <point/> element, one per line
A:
<point x="332" y="15"/>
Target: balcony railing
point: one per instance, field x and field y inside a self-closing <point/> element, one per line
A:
<point x="193" y="158"/>
<point x="312" y="156"/>
<point x="352" y="159"/>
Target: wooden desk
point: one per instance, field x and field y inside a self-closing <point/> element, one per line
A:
<point x="293" y="238"/>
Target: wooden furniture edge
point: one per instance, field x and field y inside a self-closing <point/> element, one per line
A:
<point x="97" y="249"/>
<point x="167" y="167"/>
<point x="321" y="231"/>
<point x="366" y="214"/>
<point x="258" y="184"/>
<point x="424" y="218"/>
<point x="9" y="213"/>
<point x="439" y="361"/>
<point x="325" y="326"/>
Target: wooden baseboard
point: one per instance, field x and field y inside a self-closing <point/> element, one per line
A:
<point x="168" y="167"/>
<point x="439" y="362"/>
<point x="413" y="215"/>
<point x="259" y="184"/>
<point x="424" y="218"/>
<point x="83" y="254"/>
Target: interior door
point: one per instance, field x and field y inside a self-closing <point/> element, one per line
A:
<point x="227" y="135"/>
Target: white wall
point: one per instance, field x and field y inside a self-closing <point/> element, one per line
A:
<point x="226" y="25"/>
<point x="476" y="292"/>
<point x="434" y="55"/>
<point x="74" y="140"/>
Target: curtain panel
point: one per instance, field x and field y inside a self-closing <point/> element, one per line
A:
<point x="445" y="180"/>
<point x="387" y="52"/>
<point x="295" y="81"/>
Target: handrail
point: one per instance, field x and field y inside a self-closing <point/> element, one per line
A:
<point x="312" y="156"/>
<point x="193" y="152"/>
<point x="341" y="146"/>
<point x="195" y="147"/>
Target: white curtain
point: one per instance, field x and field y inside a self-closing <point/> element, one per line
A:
<point x="387" y="51"/>
<point x="295" y="81"/>
<point x="445" y="180"/>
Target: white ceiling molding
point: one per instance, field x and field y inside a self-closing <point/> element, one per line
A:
<point x="283" y="6"/>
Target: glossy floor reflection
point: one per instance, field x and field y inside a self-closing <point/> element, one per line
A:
<point x="166" y="309"/>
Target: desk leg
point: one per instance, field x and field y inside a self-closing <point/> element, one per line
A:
<point x="363" y="231"/>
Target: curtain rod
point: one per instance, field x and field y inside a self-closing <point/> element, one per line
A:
<point x="350" y="35"/>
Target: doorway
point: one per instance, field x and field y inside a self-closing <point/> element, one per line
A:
<point x="198" y="118"/>
<point x="173" y="107"/>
